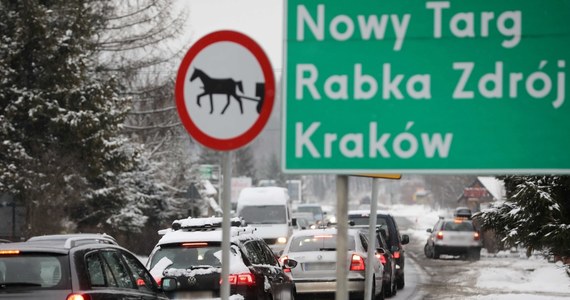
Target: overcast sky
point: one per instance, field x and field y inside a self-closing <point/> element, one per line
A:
<point x="261" y="20"/>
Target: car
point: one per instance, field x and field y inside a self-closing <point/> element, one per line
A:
<point x="73" y="268"/>
<point x="316" y="211"/>
<point x="314" y="253"/>
<point x="190" y="252"/>
<point x="388" y="261"/>
<point x="463" y="212"/>
<point x="395" y="241"/>
<point x="456" y="236"/>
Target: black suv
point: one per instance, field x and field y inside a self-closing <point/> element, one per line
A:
<point x="78" y="267"/>
<point x="190" y="253"/>
<point x="386" y="221"/>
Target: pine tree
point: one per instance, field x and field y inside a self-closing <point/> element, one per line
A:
<point x="61" y="148"/>
<point x="536" y="214"/>
<point x="244" y="164"/>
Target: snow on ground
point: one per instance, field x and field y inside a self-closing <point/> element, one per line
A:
<point x="506" y="275"/>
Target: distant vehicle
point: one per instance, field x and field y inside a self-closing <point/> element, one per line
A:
<point x="267" y="209"/>
<point x="190" y="253"/>
<point x="316" y="211"/>
<point x="301" y="220"/>
<point x="73" y="268"/>
<point x="453" y="237"/>
<point x="463" y="212"/>
<point x="314" y="251"/>
<point x="396" y="241"/>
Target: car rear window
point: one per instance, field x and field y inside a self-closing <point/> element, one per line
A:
<point x="458" y="226"/>
<point x="319" y="242"/>
<point x="186" y="255"/>
<point x="381" y="221"/>
<point x="34" y="271"/>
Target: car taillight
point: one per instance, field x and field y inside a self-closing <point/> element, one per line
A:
<point x="476" y="236"/>
<point x="241" y="279"/>
<point x="158" y="281"/>
<point x="440" y="235"/>
<point x="357" y="263"/>
<point x="78" y="297"/>
<point x="396" y="254"/>
<point x="381" y="258"/>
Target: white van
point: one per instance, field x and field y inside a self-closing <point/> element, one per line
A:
<point x="269" y="211"/>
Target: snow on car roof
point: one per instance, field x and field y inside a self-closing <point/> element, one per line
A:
<point x="181" y="236"/>
<point x="311" y="232"/>
<point x="203" y="222"/>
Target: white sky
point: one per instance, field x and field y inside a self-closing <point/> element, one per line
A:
<point x="262" y="20"/>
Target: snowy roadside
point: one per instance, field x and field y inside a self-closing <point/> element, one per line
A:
<point x="503" y="276"/>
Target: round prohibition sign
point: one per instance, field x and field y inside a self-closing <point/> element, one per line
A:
<point x="225" y="90"/>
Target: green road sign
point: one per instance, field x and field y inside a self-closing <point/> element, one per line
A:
<point x="416" y="86"/>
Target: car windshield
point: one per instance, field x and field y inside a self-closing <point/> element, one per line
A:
<point x="35" y="271"/>
<point x="317" y="242"/>
<point x="457" y="226"/>
<point x="265" y="214"/>
<point x="189" y="255"/>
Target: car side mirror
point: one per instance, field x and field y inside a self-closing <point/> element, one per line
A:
<point x="429" y="230"/>
<point x="294" y="222"/>
<point x="168" y="284"/>
<point x="380" y="250"/>
<point x="289" y="263"/>
<point x="405" y="239"/>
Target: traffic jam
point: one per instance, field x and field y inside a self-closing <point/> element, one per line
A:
<point x="372" y="150"/>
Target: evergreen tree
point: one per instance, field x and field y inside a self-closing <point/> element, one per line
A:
<point x="536" y="214"/>
<point x="61" y="149"/>
<point x="244" y="164"/>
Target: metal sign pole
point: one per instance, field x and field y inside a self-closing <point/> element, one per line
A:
<point x="368" y="292"/>
<point x="342" y="237"/>
<point x="226" y="219"/>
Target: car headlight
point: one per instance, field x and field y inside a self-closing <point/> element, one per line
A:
<point x="282" y="240"/>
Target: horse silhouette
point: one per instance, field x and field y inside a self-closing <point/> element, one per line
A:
<point x="226" y="86"/>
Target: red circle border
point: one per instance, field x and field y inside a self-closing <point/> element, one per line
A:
<point x="269" y="98"/>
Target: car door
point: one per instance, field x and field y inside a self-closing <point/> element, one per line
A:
<point x="146" y="285"/>
<point x="281" y="284"/>
<point x="110" y="278"/>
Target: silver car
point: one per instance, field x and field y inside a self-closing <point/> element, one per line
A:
<point x="315" y="253"/>
<point x="453" y="237"/>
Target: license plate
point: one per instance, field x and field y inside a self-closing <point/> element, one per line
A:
<point x="319" y="266"/>
<point x="194" y="295"/>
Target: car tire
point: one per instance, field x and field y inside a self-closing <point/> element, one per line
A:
<point x="400" y="282"/>
<point x="394" y="288"/>
<point x="475" y="254"/>
<point x="427" y="252"/>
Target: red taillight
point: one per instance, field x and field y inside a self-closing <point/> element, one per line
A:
<point x="396" y="254"/>
<point x="381" y="258"/>
<point x="241" y="279"/>
<point x="140" y="282"/>
<point x="440" y="235"/>
<point x="357" y="263"/>
<point x="78" y="297"/>
<point x="158" y="280"/>
<point x="476" y="236"/>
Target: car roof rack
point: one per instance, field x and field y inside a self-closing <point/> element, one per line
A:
<point x="83" y="240"/>
<point x="204" y="224"/>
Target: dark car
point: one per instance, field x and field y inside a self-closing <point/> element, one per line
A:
<point x="74" y="268"/>
<point x="388" y="261"/>
<point x="395" y="241"/>
<point x="191" y="254"/>
<point x="463" y="212"/>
